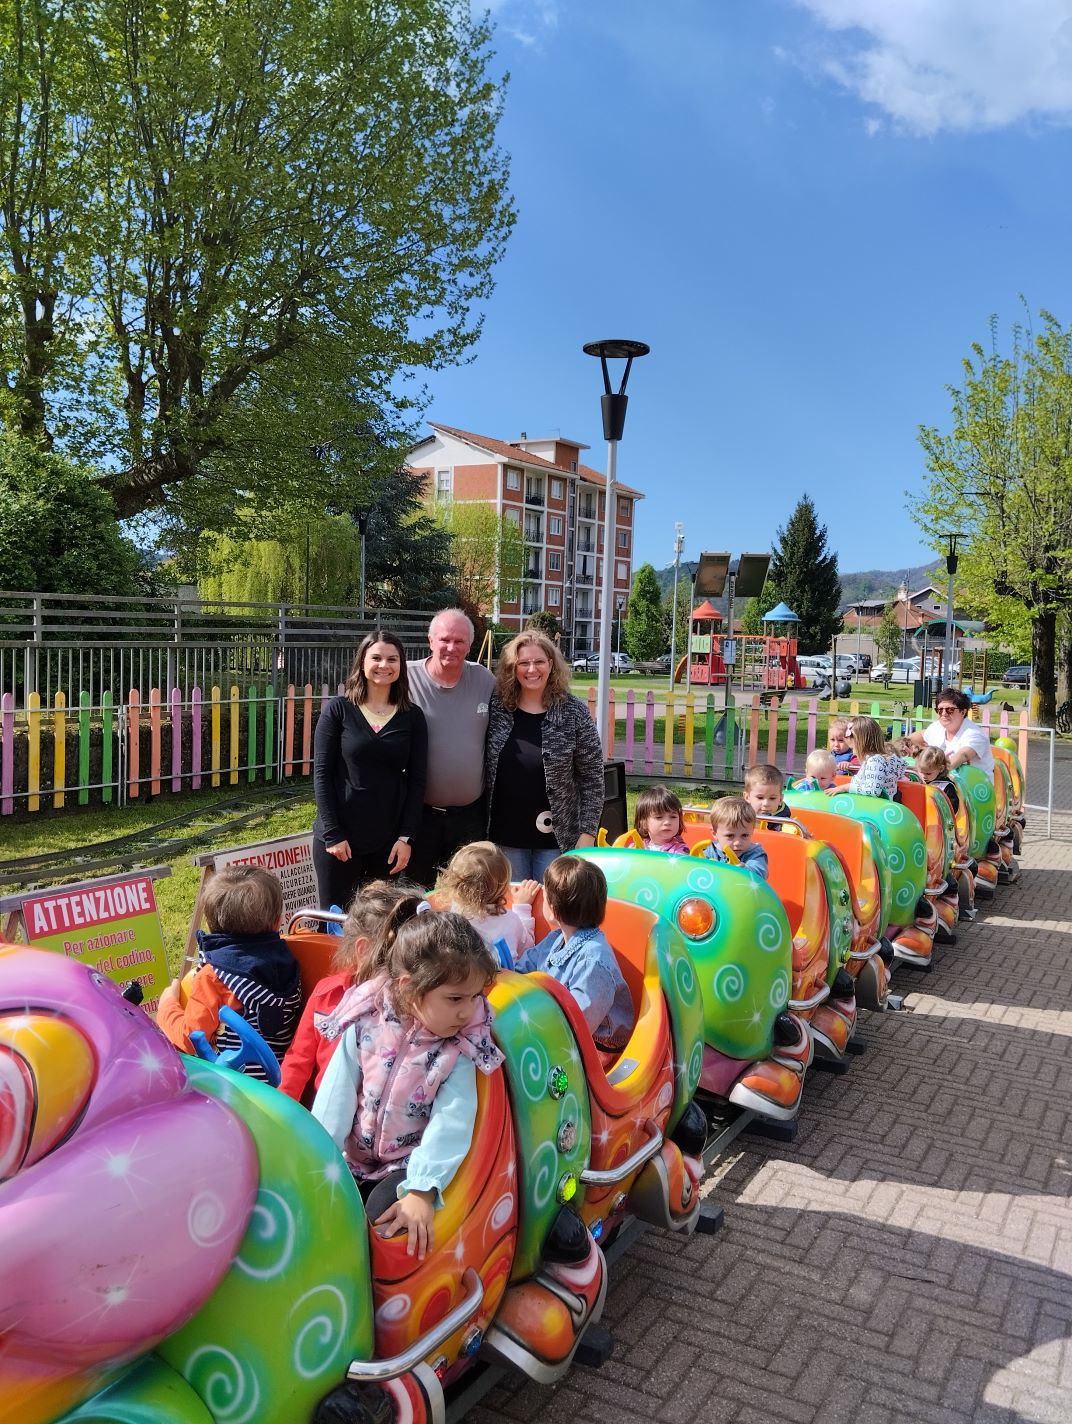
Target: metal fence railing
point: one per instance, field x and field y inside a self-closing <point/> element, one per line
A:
<point x="52" y="643"/>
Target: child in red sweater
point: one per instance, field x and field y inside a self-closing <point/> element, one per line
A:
<point x="369" y="922"/>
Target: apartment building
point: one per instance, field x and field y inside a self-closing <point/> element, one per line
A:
<point x="559" y="502"/>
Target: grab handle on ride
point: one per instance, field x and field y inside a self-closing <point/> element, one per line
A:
<point x="313" y="912"/>
<point x="816" y="999"/>
<point x="379" y="1371"/>
<point x="593" y="1178"/>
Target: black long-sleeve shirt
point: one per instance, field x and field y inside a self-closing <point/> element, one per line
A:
<point x="369" y="786"/>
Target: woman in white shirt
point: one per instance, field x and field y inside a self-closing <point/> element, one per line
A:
<point x="962" y="741"/>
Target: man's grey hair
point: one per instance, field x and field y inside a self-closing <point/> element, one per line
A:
<point x="454" y="613"/>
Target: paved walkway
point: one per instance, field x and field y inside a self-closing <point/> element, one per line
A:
<point x="909" y="1257"/>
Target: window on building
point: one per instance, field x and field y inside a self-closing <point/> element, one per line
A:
<point x="621" y="571"/>
<point x="443" y="485"/>
<point x="514" y="515"/>
<point x="556" y="524"/>
<point x="554" y="562"/>
<point x="573" y="467"/>
<point x="623" y="538"/>
<point x="623" y="509"/>
<point x="513" y="479"/>
<point x="556" y="489"/>
<point x="554" y="597"/>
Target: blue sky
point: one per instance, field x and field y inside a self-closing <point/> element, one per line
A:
<point x="808" y="208"/>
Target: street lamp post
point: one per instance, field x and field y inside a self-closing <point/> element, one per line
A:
<point x="613" y="405"/>
<point x="951" y="560"/>
<point x="679" y="544"/>
<point x="690" y="569"/>
<point x="361" y="514"/>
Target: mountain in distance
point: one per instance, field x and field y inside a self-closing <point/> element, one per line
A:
<point x="858" y="587"/>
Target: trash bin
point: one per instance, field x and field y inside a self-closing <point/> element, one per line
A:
<point x="923" y="691"/>
<point x="615" y="818"/>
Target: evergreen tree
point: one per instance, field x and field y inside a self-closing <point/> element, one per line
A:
<point x="645" y="623"/>
<point x="752" y="618"/>
<point x="803" y="575"/>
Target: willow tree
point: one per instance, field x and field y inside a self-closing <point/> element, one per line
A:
<point x="488" y="555"/>
<point x="1002" y="477"/>
<point x="235" y="232"/>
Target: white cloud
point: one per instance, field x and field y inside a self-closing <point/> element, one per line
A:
<point x="529" y="22"/>
<point x="964" y="65"/>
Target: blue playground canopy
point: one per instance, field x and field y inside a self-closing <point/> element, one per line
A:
<point x="782" y="614"/>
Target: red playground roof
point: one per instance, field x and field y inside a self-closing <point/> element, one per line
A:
<point x="706" y="612"/>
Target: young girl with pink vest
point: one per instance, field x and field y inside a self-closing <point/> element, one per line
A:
<point x="399" y="1095"/>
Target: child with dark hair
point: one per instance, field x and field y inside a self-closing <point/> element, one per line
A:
<point x="659" y="821"/>
<point x="399" y="1095"/>
<point x="370" y="918"/>
<point x="578" y="954"/>
<point x="242" y="962"/>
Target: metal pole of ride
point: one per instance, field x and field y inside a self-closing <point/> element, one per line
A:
<point x="613" y="405"/>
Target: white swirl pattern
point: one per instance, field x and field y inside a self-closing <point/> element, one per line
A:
<point x="325" y="1331"/>
<point x="229" y="1389"/>
<point x="206" y="1219"/>
<point x="271" y="1225"/>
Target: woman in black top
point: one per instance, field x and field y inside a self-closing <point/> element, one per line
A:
<point x="370" y="764"/>
<point x="544" y="761"/>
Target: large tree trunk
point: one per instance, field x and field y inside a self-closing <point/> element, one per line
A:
<point x="1043" y="706"/>
<point x="1064" y="659"/>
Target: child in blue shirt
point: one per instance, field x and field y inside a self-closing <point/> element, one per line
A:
<point x="819" y="771"/>
<point x="577" y="953"/>
<point x="732" y="823"/>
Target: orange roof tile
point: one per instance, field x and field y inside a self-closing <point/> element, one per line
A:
<point x="594" y="477"/>
<point x="501" y="448"/>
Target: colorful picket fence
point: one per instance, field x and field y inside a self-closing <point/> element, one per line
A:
<point x="694" y="740"/>
<point x="214" y="737"/>
<point x="54" y="755"/>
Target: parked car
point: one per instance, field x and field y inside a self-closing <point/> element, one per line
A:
<point x="1019" y="675"/>
<point x="589" y="662"/>
<point x="900" y="670"/>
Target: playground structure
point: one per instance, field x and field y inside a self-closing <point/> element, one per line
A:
<point x="751" y="661"/>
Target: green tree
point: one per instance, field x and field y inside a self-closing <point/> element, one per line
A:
<point x="234" y="227"/>
<point x="544" y="622"/>
<point x="889" y="636"/>
<point x="805" y="576"/>
<point x="317" y="558"/>
<point x="58" y="530"/>
<point x="752" y="618"/>
<point x="487" y="552"/>
<point x="1002" y="476"/>
<point x="645" y="629"/>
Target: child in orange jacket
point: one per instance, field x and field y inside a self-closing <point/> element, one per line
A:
<point x="243" y="962"/>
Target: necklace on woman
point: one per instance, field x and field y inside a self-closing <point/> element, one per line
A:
<point x="377" y="717"/>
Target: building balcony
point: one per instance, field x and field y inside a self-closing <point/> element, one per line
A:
<point x="533" y="572"/>
<point x="533" y="497"/>
<point x="586" y="546"/>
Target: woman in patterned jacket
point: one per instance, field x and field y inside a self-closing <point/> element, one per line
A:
<point x="544" y="761"/>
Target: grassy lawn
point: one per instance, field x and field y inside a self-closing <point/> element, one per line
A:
<point x="74" y="828"/>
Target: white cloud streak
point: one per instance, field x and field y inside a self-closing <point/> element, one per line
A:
<point x="949" y="65"/>
<point x="529" y="22"/>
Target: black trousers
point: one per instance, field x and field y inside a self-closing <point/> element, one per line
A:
<point x="440" y="835"/>
<point x="380" y="1195"/>
<point x="338" y="881"/>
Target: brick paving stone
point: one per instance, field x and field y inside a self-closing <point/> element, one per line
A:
<point x="908" y="1259"/>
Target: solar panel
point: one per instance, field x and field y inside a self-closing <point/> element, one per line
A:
<point x="711" y="574"/>
<point x="751" y="572"/>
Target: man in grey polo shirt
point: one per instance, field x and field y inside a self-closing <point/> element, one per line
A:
<point x="453" y="694"/>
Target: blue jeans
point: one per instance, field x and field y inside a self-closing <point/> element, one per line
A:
<point x="529" y="864"/>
